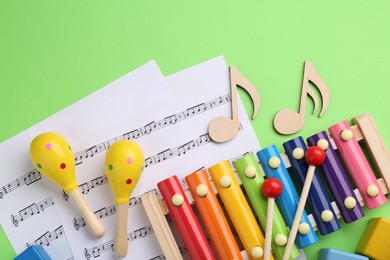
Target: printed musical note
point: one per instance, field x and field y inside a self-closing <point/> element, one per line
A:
<point x="108" y="211"/>
<point x="223" y="129"/>
<point x="65" y="195"/>
<point x="288" y="121"/>
<point x="108" y="246"/>
<point x="86" y="187"/>
<point x="160" y="257"/>
<point x="48" y="237"/>
<point x="34" y="175"/>
<point x="26" y="179"/>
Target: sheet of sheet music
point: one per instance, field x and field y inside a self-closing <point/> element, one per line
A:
<point x="28" y="214"/>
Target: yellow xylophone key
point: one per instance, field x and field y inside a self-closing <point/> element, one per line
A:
<point x="238" y="209"/>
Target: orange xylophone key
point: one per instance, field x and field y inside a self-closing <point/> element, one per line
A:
<point x="212" y="216"/>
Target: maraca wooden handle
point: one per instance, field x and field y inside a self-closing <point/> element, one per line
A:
<point x="95" y="225"/>
<point x="121" y="245"/>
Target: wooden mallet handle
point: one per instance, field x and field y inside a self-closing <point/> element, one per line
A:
<point x="314" y="156"/>
<point x="121" y="245"/>
<point x="271" y="189"/>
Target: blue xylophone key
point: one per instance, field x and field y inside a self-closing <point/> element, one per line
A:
<point x="287" y="202"/>
<point x="318" y="199"/>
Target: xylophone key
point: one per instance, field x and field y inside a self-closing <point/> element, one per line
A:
<point x="287" y="202"/>
<point x="337" y="180"/>
<point x="318" y="199"/>
<point x="238" y="209"/>
<point x="212" y="216"/>
<point x="252" y="179"/>
<point x="357" y="165"/>
<point x="184" y="218"/>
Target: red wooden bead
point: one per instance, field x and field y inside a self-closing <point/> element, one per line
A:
<point x="315" y="156"/>
<point x="272" y="188"/>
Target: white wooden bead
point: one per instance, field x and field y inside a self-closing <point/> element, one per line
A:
<point x="225" y="181"/>
<point x="257" y="252"/>
<point x="250" y="172"/>
<point x="346" y="135"/>
<point x="177" y="200"/>
<point x="274" y="162"/>
<point x="202" y="190"/>
<point x="298" y="153"/>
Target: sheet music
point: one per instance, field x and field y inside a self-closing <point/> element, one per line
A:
<point x="167" y="117"/>
<point x="28" y="214"/>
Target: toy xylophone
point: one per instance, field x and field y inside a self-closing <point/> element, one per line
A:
<point x="220" y="180"/>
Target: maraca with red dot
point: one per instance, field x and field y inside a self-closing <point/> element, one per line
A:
<point x="124" y="165"/>
<point x="271" y="188"/>
<point x="52" y="156"/>
<point x="314" y="156"/>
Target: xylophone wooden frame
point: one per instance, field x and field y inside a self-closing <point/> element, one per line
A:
<point x="364" y="130"/>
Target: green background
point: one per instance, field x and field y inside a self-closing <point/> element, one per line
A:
<point x="53" y="53"/>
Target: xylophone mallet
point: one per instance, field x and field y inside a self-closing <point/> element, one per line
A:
<point x="314" y="156"/>
<point x="273" y="166"/>
<point x="271" y="188"/>
<point x="52" y="156"/>
<point x="124" y="164"/>
<point x="318" y="200"/>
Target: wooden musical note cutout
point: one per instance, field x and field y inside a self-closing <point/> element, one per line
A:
<point x="288" y="121"/>
<point x="223" y="129"/>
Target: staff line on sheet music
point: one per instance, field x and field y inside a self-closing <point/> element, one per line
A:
<point x="35" y="175"/>
<point x="31" y="210"/>
<point x="166" y="154"/>
<point x="48" y="237"/>
<point x="182" y="250"/>
<point x="134" y="235"/>
<point x="134" y="201"/>
<point x="109" y="246"/>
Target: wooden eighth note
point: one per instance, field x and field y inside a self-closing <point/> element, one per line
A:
<point x="288" y="121"/>
<point x="223" y="129"/>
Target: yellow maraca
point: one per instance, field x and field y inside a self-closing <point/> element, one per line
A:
<point x="52" y="156"/>
<point x="124" y="165"/>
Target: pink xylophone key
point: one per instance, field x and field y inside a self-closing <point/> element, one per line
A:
<point x="357" y="165"/>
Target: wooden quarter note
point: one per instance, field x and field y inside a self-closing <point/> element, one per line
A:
<point x="223" y="129"/>
<point x="288" y="121"/>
